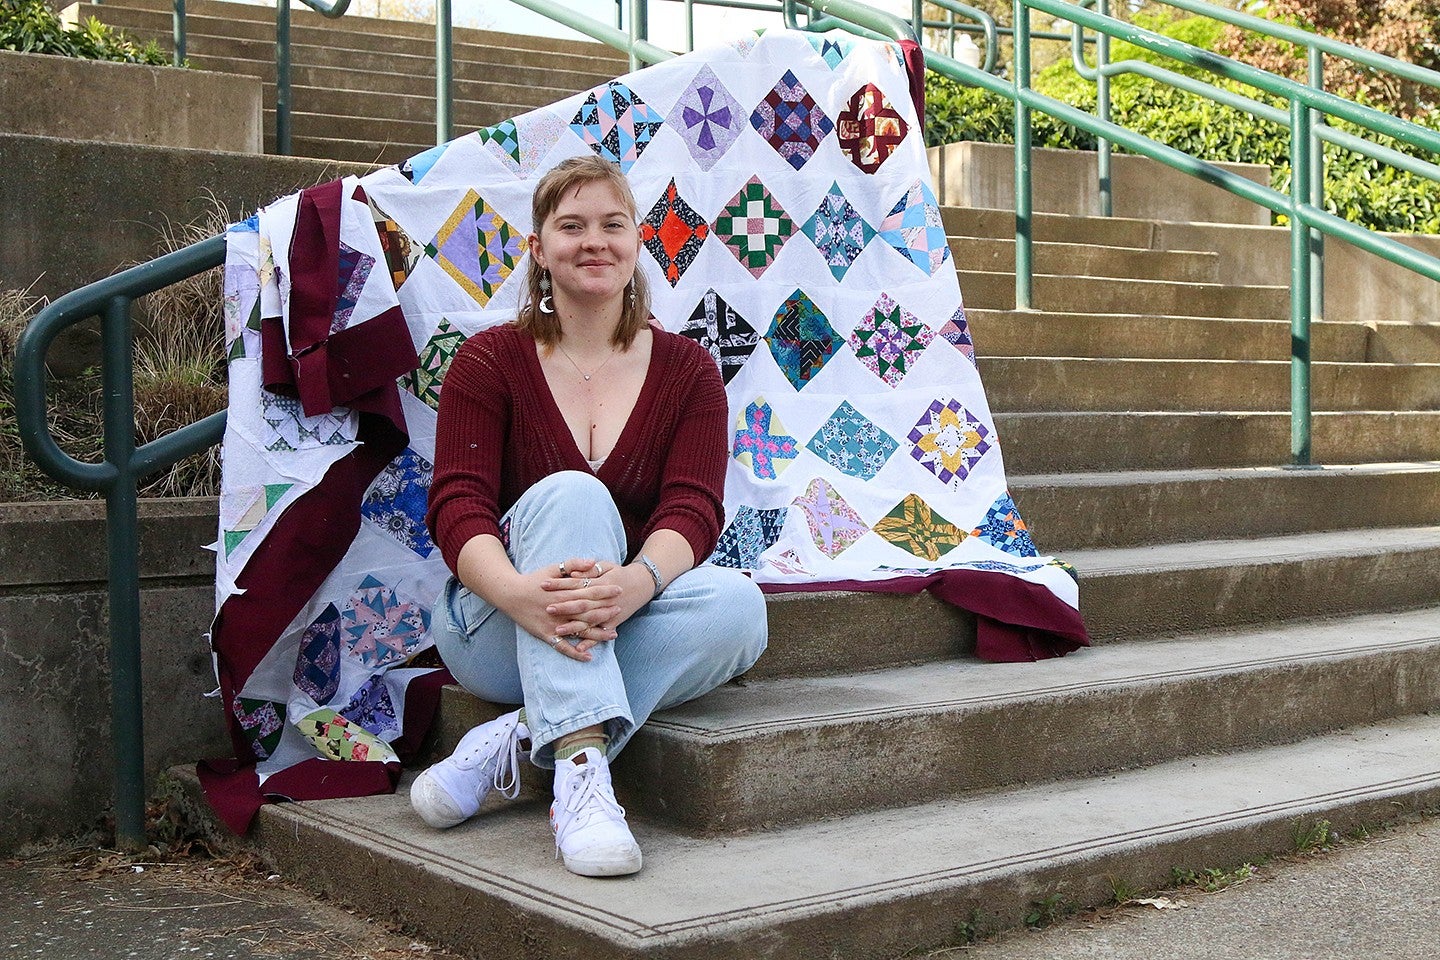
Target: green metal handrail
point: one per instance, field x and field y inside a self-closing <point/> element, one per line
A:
<point x="118" y="477"/>
<point x="332" y="10"/>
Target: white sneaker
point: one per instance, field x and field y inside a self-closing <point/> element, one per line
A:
<point x="590" y="830"/>
<point x="451" y="791"/>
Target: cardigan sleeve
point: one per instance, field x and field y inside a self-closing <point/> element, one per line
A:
<point x="692" y="478"/>
<point x="475" y="405"/>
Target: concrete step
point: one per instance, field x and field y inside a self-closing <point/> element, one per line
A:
<point x="335" y="111"/>
<point x="358" y="92"/>
<point x="362" y="71"/>
<point x="1405" y="342"/>
<point x="1067" y="294"/>
<point x="354" y="151"/>
<point x="324" y="45"/>
<point x="1140" y="593"/>
<point x="1087" y="260"/>
<point x="868" y="886"/>
<point x="1052" y="228"/>
<point x="220" y="18"/>
<point x="1079" y="511"/>
<point x="1068" y="442"/>
<point x="748" y="757"/>
<point x="1187" y="588"/>
<point x="1030" y="333"/>
<point x="1029" y="384"/>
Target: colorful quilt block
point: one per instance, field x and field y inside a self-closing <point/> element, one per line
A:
<point x="889" y="339"/>
<point x="724" y="334"/>
<point x="914" y="228"/>
<point x="673" y="233"/>
<point x="401" y="252"/>
<point x="477" y="248"/>
<point x="801" y="339"/>
<point x="869" y="128"/>
<point x="289" y="429"/>
<point x="838" y="231"/>
<point x="425" y="380"/>
<point x="317" y="662"/>
<point x="948" y="441"/>
<point x="852" y="443"/>
<point x="708" y="118"/>
<point x="913" y="526"/>
<point x="503" y="141"/>
<point x="243" y="509"/>
<point x="336" y="738"/>
<point x="378" y="629"/>
<point x="616" y="124"/>
<point x="372" y="708"/>
<point x="754" y="227"/>
<point x="395" y="503"/>
<point x="354" y="270"/>
<point x="790" y="120"/>
<point x="750" y="534"/>
<point x="417" y="167"/>
<point x="761" y="443"/>
<point x="831" y="49"/>
<point x="1003" y="528"/>
<point x="834" y="524"/>
<point x="262" y="724"/>
<point x="956" y="332"/>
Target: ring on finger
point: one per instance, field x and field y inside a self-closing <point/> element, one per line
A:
<point x="585" y="583"/>
<point x="563" y="571"/>
<point x="554" y="642"/>
<point x="599" y="570"/>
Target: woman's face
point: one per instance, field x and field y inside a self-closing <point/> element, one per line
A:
<point x="589" y="244"/>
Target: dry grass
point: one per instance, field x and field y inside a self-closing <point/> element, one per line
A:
<point x="179" y="364"/>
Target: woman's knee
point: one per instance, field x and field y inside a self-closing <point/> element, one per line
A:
<point x="739" y="613"/>
<point x="571" y="512"/>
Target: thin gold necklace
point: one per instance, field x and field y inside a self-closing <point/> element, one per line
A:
<point x="582" y="373"/>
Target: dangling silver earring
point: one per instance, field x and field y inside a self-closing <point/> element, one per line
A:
<point x="545" y="306"/>
<point x="632" y="292"/>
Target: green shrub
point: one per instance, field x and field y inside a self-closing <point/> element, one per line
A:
<point x="30" y="26"/>
<point x="1362" y="190"/>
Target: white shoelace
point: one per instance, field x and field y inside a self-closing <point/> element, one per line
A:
<point x="588" y="798"/>
<point x="507" y="762"/>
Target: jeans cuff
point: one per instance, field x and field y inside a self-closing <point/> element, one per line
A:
<point x="615" y="721"/>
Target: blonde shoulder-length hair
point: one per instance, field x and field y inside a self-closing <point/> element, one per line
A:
<point x="570" y="175"/>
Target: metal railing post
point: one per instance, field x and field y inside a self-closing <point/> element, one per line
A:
<point x="177" y="32"/>
<point x="444" y="71"/>
<point x="689" y="24"/>
<point x="1102" y="105"/>
<point x="1317" y="191"/>
<point x="1024" y="200"/>
<point x="282" y="77"/>
<point x="127" y="722"/>
<point x="1301" y="130"/>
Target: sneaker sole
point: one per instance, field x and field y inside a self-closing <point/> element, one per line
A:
<point x="427" y="796"/>
<point x="609" y="867"/>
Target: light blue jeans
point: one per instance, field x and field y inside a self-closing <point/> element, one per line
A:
<point x="706" y="628"/>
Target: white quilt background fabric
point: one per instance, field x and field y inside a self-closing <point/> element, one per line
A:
<point x="805" y="251"/>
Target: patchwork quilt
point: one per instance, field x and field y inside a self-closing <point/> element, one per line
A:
<point x="790" y="228"/>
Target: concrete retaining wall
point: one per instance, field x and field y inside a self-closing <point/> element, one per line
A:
<point x="983" y="175"/>
<point x="76" y="99"/>
<point x="54" y="674"/>
<point x="72" y="212"/>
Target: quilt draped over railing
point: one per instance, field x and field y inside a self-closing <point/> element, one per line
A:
<point x="789" y="227"/>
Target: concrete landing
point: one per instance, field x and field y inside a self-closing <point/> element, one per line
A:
<point x="873" y="885"/>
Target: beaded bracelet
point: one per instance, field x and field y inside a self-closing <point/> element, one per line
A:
<point x="649" y="564"/>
